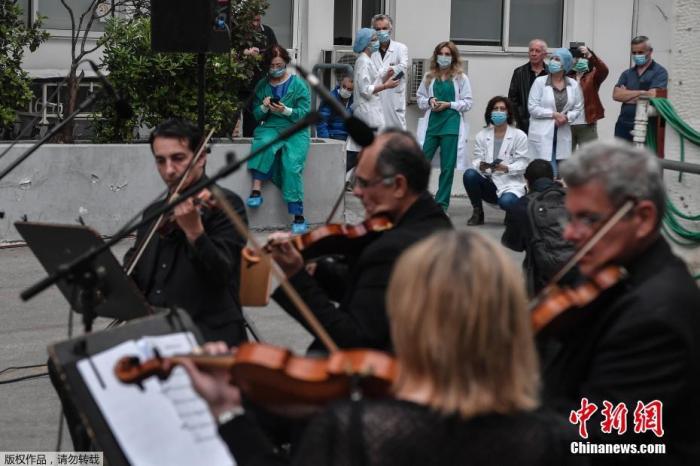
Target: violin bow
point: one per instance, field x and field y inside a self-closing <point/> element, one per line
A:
<point x="602" y="231"/>
<point x="147" y="239"/>
<point x="291" y="292"/>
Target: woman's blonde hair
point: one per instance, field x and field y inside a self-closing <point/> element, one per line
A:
<point x="459" y="323"/>
<point x="455" y="68"/>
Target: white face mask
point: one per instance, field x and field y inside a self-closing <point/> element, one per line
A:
<point x="344" y="93"/>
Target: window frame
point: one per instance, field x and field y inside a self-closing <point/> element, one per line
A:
<point x="505" y="46"/>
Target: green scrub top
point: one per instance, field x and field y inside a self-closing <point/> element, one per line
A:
<point x="446" y="122"/>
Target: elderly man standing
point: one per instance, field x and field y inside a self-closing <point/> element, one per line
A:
<point x="521" y="82"/>
<point x="392" y="56"/>
<point x="642" y="79"/>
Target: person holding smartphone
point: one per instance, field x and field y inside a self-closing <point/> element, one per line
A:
<point x="499" y="161"/>
<point x="445" y="95"/>
<point x="393" y="56"/>
<point x="281" y="99"/>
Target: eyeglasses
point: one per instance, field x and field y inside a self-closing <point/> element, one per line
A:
<point x="587" y="220"/>
<point x="364" y="184"/>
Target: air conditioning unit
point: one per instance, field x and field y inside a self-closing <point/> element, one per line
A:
<point x="419" y="67"/>
<point x="340" y="55"/>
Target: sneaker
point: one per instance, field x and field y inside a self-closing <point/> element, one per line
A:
<point x="300" y="228"/>
<point x="254" y="202"/>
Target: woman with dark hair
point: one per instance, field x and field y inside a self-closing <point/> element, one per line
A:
<point x="500" y="158"/>
<point x="281" y="99"/>
<point x="445" y="95"/>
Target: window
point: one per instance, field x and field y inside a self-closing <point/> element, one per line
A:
<point x="487" y="22"/>
<point x="24" y="5"/>
<point x="476" y="22"/>
<point x="546" y="24"/>
<point x="279" y="16"/>
<point x="57" y="17"/>
<point x="369" y="9"/>
<point x="342" y="22"/>
<point x="346" y="13"/>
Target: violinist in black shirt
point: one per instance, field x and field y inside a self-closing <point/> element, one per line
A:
<point x="638" y="341"/>
<point x="391" y="180"/>
<point x="196" y="265"/>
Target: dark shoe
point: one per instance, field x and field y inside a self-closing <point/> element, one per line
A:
<point x="477" y="217"/>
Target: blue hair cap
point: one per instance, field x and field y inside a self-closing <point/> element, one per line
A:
<point x="565" y="57"/>
<point x="362" y="39"/>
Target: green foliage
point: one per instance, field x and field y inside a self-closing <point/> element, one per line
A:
<point x="15" y="91"/>
<point x="162" y="85"/>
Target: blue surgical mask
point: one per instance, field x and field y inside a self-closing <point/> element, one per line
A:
<point x="277" y="72"/>
<point x="498" y="117"/>
<point x="581" y="65"/>
<point x="374" y="46"/>
<point x="444" y="61"/>
<point x="639" y="59"/>
<point x="554" y="66"/>
<point x="384" y="36"/>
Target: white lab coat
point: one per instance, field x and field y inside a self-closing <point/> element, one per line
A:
<point x="366" y="104"/>
<point x="513" y="153"/>
<point x="393" y="100"/>
<point x="463" y="102"/>
<point x="541" y="106"/>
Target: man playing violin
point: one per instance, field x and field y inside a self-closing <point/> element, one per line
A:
<point x="637" y="341"/>
<point x="196" y="265"/>
<point x="391" y="179"/>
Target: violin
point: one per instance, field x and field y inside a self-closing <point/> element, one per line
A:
<point x="274" y="377"/>
<point x="204" y="204"/>
<point x="556" y="298"/>
<point x="332" y="238"/>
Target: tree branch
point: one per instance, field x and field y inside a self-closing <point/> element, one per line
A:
<point x="73" y="39"/>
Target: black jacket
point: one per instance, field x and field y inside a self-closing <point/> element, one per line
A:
<point x="202" y="278"/>
<point x="637" y="342"/>
<point x="519" y="92"/>
<point x="361" y="320"/>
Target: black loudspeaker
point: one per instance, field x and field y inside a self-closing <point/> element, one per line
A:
<point x="197" y="26"/>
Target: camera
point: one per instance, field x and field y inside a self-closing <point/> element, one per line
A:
<point x="574" y="49"/>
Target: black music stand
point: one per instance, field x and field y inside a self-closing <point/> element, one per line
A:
<point x="72" y="389"/>
<point x="100" y="288"/>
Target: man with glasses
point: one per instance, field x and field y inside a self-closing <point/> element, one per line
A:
<point x="637" y="341"/>
<point x="391" y="180"/>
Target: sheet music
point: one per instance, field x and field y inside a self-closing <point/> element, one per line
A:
<point x="165" y="423"/>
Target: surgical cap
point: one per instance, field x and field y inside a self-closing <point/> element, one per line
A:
<point x="565" y="57"/>
<point x="362" y="39"/>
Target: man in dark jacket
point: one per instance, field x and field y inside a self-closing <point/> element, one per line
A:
<point x="266" y="39"/>
<point x="545" y="248"/>
<point x="636" y="343"/>
<point x="521" y="82"/>
<point x="196" y="266"/>
<point x="391" y="180"/>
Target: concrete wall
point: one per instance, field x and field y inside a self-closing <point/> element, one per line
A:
<point x="684" y="93"/>
<point x="108" y="184"/>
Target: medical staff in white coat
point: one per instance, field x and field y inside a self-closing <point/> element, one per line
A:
<point x="368" y="84"/>
<point x="445" y="95"/>
<point x="391" y="55"/>
<point x="499" y="161"/>
<point x="555" y="102"/>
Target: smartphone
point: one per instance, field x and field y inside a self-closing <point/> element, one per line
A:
<point x="274" y="100"/>
<point x="398" y="76"/>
